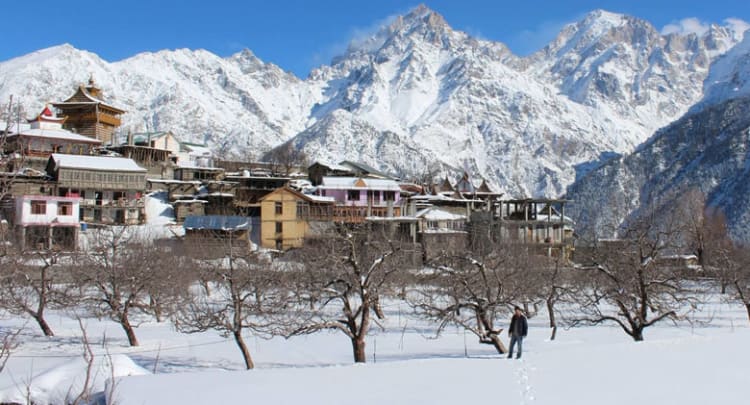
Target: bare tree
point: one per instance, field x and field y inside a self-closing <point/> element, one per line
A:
<point x="30" y="284"/>
<point x="284" y="158"/>
<point x="733" y="268"/>
<point x="629" y="284"/>
<point x="472" y="290"/>
<point x="117" y="274"/>
<point x="548" y="278"/>
<point x="346" y="273"/>
<point x="245" y="294"/>
<point x="8" y="343"/>
<point x="705" y="232"/>
<point x="10" y="116"/>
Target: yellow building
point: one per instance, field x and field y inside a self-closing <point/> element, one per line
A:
<point x="285" y="214"/>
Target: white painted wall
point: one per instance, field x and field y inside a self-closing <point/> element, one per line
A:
<point x="25" y="217"/>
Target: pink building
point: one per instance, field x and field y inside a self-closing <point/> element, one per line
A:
<point x="46" y="222"/>
<point x="357" y="198"/>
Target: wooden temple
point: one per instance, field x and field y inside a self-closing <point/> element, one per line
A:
<point x="86" y="114"/>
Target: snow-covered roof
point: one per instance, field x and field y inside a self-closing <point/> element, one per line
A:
<point x="364" y="168"/>
<point x="59" y="134"/>
<point x="318" y="198"/>
<point x="197" y="150"/>
<point x="436" y="214"/>
<point x="358" y="183"/>
<point x="96" y="163"/>
<point x="554" y="218"/>
<point x="333" y="166"/>
<point x="83" y="93"/>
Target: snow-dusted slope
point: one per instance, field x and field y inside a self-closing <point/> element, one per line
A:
<point x="605" y="84"/>
<point x="416" y="92"/>
<point x="708" y="149"/>
<point x="236" y="104"/>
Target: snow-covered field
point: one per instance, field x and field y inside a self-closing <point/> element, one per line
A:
<point x="705" y="363"/>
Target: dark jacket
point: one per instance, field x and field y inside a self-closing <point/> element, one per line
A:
<point x="518" y="326"/>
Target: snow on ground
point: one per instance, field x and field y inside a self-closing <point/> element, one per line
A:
<point x="683" y="364"/>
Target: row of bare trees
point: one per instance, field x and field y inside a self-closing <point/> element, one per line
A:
<point x="338" y="281"/>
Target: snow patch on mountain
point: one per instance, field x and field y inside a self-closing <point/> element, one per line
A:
<point x="415" y="91"/>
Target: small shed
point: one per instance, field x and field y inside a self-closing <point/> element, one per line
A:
<point x="217" y="233"/>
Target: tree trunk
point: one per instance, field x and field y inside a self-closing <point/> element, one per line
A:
<point x="497" y="343"/>
<point x="358" y="346"/>
<point x="637" y="334"/>
<point x="155" y="305"/>
<point x="243" y="348"/>
<point x="129" y="331"/>
<point x="551" y="311"/>
<point x="747" y="306"/>
<point x="379" y="310"/>
<point x="43" y="325"/>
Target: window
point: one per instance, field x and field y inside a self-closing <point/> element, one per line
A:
<point x="389" y="195"/>
<point x="373" y="196"/>
<point x="65" y="209"/>
<point x="279" y="207"/>
<point x="279" y="227"/>
<point x="352" y="195"/>
<point x="279" y="244"/>
<point x="38" y="207"/>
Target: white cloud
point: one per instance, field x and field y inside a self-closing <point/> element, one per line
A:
<point x="737" y="25"/>
<point x="686" y="26"/>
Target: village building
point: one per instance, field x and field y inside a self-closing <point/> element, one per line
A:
<point x="250" y="189"/>
<point x="216" y="235"/>
<point x="163" y="140"/>
<point x="44" y="222"/>
<point x="175" y="189"/>
<point x="539" y="221"/>
<point x="32" y="144"/>
<point x="319" y="169"/>
<point x="286" y="216"/>
<point x="201" y="173"/>
<point x="358" y="198"/>
<point x="111" y="188"/>
<point x="187" y="208"/>
<point x="87" y="114"/>
<point x="195" y="154"/>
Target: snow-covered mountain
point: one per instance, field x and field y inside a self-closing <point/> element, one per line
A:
<point x="415" y="93"/>
<point x="235" y="104"/>
<point x="708" y="149"/>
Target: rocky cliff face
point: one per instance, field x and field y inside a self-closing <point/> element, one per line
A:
<point x="416" y="93"/>
<point x="707" y="149"/>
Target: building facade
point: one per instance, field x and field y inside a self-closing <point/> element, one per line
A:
<point x="45" y="222"/>
<point x="285" y="216"/>
<point x="111" y="189"/>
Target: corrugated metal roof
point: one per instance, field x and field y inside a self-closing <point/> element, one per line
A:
<point x="217" y="223"/>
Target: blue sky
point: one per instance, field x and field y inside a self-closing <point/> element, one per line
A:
<point x="299" y="35"/>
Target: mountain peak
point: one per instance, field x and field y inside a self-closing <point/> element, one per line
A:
<point x="421" y="22"/>
<point x="421" y="16"/>
<point x="604" y="16"/>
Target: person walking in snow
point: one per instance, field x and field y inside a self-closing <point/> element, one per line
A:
<point x="517" y="331"/>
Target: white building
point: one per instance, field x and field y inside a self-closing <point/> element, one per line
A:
<point x="46" y="222"/>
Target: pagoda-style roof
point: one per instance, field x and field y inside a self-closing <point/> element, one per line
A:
<point x="484" y="188"/>
<point x="87" y="96"/>
<point x="444" y="186"/>
<point x="47" y="116"/>
<point x="465" y="185"/>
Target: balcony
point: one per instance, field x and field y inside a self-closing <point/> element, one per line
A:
<point x="119" y="203"/>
